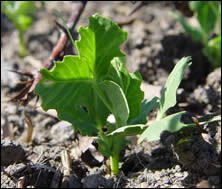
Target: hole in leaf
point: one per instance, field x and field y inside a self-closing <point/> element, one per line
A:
<point x="47" y="82"/>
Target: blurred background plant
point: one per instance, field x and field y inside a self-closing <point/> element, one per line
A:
<point x="208" y="15"/>
<point x="20" y="14"/>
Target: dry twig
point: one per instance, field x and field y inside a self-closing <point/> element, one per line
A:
<point x="72" y="21"/>
<point x="21" y="182"/>
<point x="26" y="94"/>
<point x="29" y="128"/>
<point x="66" y="166"/>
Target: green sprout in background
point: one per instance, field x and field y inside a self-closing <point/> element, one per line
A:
<point x="97" y="80"/>
<point x="19" y="13"/>
<point x="208" y="15"/>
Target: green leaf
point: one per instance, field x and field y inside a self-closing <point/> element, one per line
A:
<point x="81" y="80"/>
<point x="99" y="44"/>
<point x="130" y="84"/>
<point x="116" y="99"/>
<point x="19" y="13"/>
<point x="23" y="22"/>
<point x="146" y="107"/>
<point x="170" y="123"/>
<point x="195" y="33"/>
<point x="168" y="97"/>
<point x="105" y="145"/>
<point x="24" y="7"/>
<point x="129" y="130"/>
<point x="213" y="51"/>
<point x="68" y="87"/>
<point x="207" y="13"/>
<point x="134" y="95"/>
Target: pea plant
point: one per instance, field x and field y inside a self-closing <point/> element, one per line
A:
<point x="19" y="13"/>
<point x="86" y="89"/>
<point x="208" y="15"/>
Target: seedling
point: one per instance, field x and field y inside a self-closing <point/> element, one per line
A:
<point x="19" y="12"/>
<point x="86" y="89"/>
<point x="208" y="15"/>
<point x="162" y="123"/>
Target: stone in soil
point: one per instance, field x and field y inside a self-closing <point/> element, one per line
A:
<point x="11" y="152"/>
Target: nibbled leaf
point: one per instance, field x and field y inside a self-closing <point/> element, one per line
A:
<point x="168" y="98"/>
<point x="96" y="79"/>
<point x="99" y="44"/>
<point x="68" y="91"/>
<point x="75" y="81"/>
<point x="170" y="123"/>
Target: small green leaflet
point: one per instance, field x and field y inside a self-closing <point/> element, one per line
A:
<point x="168" y="98"/>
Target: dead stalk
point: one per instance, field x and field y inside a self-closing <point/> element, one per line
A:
<point x="11" y="131"/>
<point x="66" y="166"/>
<point x="66" y="162"/>
<point x="29" y="128"/>
<point x="21" y="182"/>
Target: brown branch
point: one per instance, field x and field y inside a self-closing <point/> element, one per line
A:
<point x="26" y="94"/>
<point x="18" y="97"/>
<point x="126" y="20"/>
<point x="137" y="7"/>
<point x="72" y="21"/>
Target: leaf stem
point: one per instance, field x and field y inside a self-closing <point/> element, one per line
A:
<point x="114" y="163"/>
<point x="22" y="49"/>
<point x="117" y="145"/>
<point x="65" y="25"/>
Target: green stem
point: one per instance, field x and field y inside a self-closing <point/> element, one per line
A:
<point x="118" y="144"/>
<point x="114" y="163"/>
<point x="22" y="49"/>
<point x="114" y="158"/>
<point x="65" y="25"/>
<point x="217" y="118"/>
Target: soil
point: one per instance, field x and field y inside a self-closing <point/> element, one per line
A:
<point x="155" y="43"/>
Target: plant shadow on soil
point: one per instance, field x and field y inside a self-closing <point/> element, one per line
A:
<point x="174" y="47"/>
